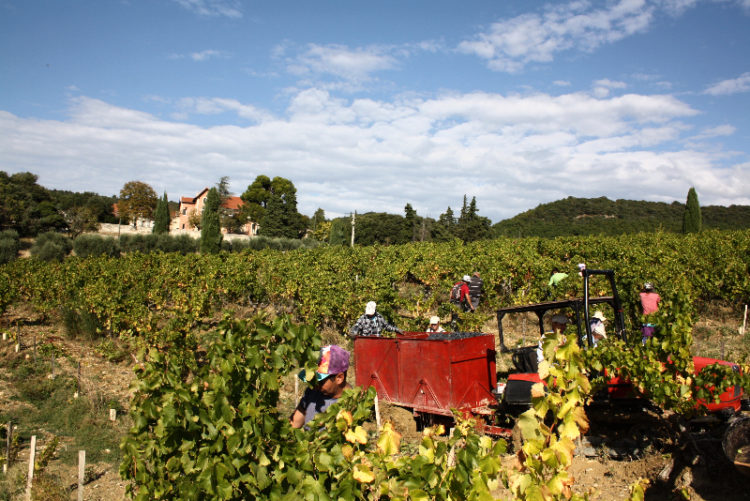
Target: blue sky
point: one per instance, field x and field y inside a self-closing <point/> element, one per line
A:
<point x="369" y="105"/>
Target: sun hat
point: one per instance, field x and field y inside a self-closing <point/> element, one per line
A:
<point x="434" y="320"/>
<point x="333" y="360"/>
<point x="598" y="314"/>
<point x="467" y="278"/>
<point x="370" y="308"/>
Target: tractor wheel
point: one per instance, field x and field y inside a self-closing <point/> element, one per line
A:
<point x="736" y="444"/>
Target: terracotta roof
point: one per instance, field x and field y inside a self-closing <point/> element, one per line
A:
<point x="233" y="203"/>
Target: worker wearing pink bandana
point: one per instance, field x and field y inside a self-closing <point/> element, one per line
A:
<point x="329" y="382"/>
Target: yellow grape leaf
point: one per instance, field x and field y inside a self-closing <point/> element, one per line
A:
<point x="638" y="490"/>
<point x="557" y="484"/>
<point x="543" y="369"/>
<point x="345" y="415"/>
<point x="347" y="451"/>
<point x="433" y="431"/>
<point x="564" y="450"/>
<point x="529" y="425"/>
<point x="537" y="390"/>
<point x="358" y="435"/>
<point x="389" y="442"/>
<point x="579" y="414"/>
<point x="363" y="474"/>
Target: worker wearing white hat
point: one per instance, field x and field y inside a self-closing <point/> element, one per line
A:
<point x="598" y="331"/>
<point x="435" y="325"/>
<point x="372" y="323"/>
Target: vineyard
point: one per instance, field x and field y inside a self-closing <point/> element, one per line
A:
<point x="206" y="419"/>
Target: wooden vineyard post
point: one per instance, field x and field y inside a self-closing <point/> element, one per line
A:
<point x="296" y="390"/>
<point x="81" y="473"/>
<point x="377" y="411"/>
<point x="32" y="460"/>
<point x="8" y="444"/>
<point x="113" y="415"/>
<point x="744" y="322"/>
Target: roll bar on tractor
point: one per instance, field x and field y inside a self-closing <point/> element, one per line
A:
<point x="580" y="306"/>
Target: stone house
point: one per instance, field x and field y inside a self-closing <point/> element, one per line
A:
<point x="193" y="206"/>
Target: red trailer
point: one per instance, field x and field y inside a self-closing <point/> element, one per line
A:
<point x="431" y="374"/>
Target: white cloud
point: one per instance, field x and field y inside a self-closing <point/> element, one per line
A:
<point x="731" y="86"/>
<point x="603" y="87"/>
<point x="510" y="151"/>
<point x="511" y="44"/>
<point x="215" y="106"/>
<point x="718" y="131"/>
<point x="206" y="54"/>
<point x="201" y="56"/>
<point x="343" y="62"/>
<point x="218" y="8"/>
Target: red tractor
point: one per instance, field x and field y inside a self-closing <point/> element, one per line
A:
<point x="618" y="391"/>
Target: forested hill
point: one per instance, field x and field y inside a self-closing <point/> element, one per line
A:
<point x="587" y="216"/>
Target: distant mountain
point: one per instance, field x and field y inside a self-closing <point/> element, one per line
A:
<point x="602" y="216"/>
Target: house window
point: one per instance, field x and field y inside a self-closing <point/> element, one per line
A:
<point x="184" y="212"/>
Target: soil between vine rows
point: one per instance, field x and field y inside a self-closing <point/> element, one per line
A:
<point x="607" y="478"/>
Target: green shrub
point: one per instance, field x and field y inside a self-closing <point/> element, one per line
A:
<point x="138" y="243"/>
<point x="184" y="244"/>
<point x="81" y="324"/>
<point x="9" y="246"/>
<point x="8" y="251"/>
<point x="51" y="246"/>
<point x="96" y="245"/>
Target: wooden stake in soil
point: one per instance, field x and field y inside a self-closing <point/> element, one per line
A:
<point x="113" y="414"/>
<point x="32" y="460"/>
<point x="81" y="473"/>
<point x="78" y="381"/>
<point x="744" y="321"/>
<point x="8" y="443"/>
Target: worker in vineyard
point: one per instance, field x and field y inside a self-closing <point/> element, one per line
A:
<point x="461" y="294"/>
<point x="557" y="326"/>
<point x="649" y="305"/>
<point x="372" y="323"/>
<point x="598" y="330"/>
<point x="475" y="290"/>
<point x="329" y="382"/>
<point x="554" y="282"/>
<point x="435" y="324"/>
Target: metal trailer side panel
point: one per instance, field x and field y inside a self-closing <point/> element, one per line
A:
<point x="428" y="375"/>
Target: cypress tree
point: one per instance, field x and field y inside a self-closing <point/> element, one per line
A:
<point x="691" y="218"/>
<point x="210" y="224"/>
<point x="161" y="216"/>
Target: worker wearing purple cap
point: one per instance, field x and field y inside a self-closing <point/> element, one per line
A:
<point x="329" y="383"/>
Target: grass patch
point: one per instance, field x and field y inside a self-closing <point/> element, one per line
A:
<point x="49" y="406"/>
